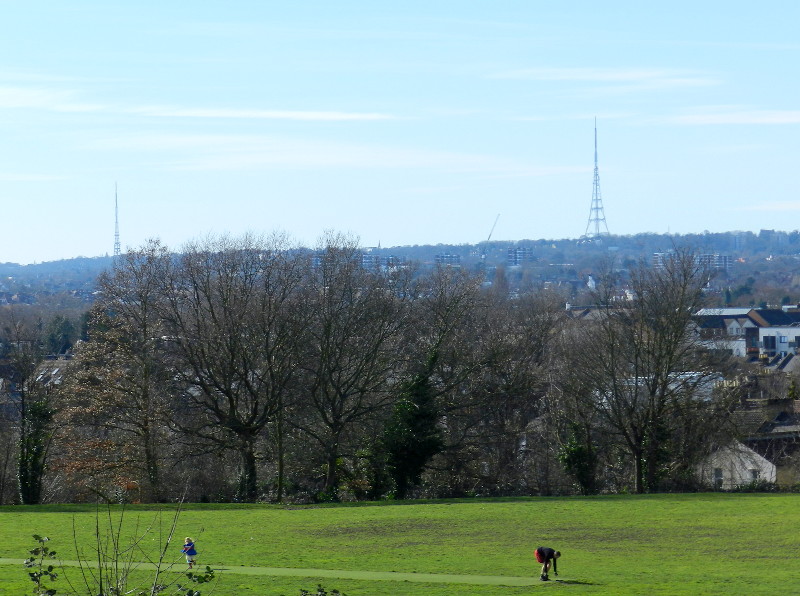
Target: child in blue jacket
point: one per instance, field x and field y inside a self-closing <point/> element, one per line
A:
<point x="189" y="551"/>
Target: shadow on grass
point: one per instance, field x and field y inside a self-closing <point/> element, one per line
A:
<point x="575" y="582"/>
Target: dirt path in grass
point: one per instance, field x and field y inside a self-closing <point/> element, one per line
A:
<point x="433" y="578"/>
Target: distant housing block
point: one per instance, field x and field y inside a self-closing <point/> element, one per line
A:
<point x="519" y="255"/>
<point x="448" y="259"/>
<point x="715" y="261"/>
<point x="373" y="261"/>
<point x="370" y="261"/>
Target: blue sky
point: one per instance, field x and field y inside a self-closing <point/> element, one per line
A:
<point x="402" y="123"/>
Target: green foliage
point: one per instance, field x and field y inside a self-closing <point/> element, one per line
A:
<point x="367" y="478"/>
<point x="60" y="335"/>
<point x="745" y="289"/>
<point x="178" y="589"/>
<point x="656" y="455"/>
<point x="757" y="486"/>
<point x="33" y="443"/>
<point x="412" y="435"/>
<point x="327" y="496"/>
<point x="205" y="577"/>
<point x="321" y="592"/>
<point x="579" y="458"/>
<point x="39" y="562"/>
<point x="792" y="391"/>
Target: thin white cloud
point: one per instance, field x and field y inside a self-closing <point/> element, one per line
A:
<point x="43" y="99"/>
<point x="22" y="97"/>
<point x="323" y="154"/>
<point x="17" y="76"/>
<point x="729" y="149"/>
<point x="218" y="113"/>
<point x="600" y="117"/>
<point x="189" y="152"/>
<point x="6" y="177"/>
<point x="740" y="117"/>
<point x="623" y="78"/>
<point x="61" y="100"/>
<point x="773" y="207"/>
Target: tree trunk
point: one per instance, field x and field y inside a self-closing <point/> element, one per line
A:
<point x="638" y="472"/>
<point x="280" y="454"/>
<point x="651" y="470"/>
<point x="248" y="475"/>
<point x="152" y="467"/>
<point x="331" y="487"/>
<point x="5" y="467"/>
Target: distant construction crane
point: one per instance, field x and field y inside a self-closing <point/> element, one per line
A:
<point x="486" y="244"/>
<point x="494" y="225"/>
<point x="596" y="228"/>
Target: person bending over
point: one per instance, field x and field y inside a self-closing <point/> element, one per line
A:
<point x="547" y="556"/>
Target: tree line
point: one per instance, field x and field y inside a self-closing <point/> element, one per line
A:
<point x="250" y="369"/>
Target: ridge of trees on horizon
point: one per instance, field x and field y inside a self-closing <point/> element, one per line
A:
<point x="765" y="272"/>
<point x="247" y="370"/>
<point x="637" y="246"/>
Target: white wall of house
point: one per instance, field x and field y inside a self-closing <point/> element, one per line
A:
<point x="732" y="339"/>
<point x="734" y="466"/>
<point x="736" y="345"/>
<point x="737" y="327"/>
<point x="784" y="339"/>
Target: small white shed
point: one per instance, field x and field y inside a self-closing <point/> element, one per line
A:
<point x="734" y="466"/>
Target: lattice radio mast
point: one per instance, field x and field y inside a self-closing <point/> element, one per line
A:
<point x="596" y="226"/>
<point x="116" y="223"/>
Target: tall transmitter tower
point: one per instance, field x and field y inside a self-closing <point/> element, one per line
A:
<point x="116" y="224"/>
<point x="596" y="227"/>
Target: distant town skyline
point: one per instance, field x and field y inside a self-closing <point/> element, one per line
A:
<point x="410" y="124"/>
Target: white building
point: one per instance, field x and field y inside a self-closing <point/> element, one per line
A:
<point x="734" y="466"/>
<point x="779" y="341"/>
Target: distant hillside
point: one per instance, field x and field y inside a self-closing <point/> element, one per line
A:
<point x="766" y="264"/>
<point x="76" y="276"/>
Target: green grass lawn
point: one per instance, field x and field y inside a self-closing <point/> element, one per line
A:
<point x="655" y="544"/>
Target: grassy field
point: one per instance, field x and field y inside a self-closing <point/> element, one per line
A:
<point x="655" y="544"/>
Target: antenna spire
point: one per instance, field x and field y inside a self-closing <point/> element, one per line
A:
<point x="116" y="223"/>
<point x="596" y="226"/>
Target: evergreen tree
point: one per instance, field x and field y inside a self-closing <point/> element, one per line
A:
<point x="35" y="436"/>
<point x="412" y="435"/>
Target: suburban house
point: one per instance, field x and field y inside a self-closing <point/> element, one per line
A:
<point x="728" y="329"/>
<point x="778" y="332"/>
<point x="769" y="413"/>
<point x="778" y="440"/>
<point x="768" y="425"/>
<point x="770" y="334"/>
<point x="735" y="466"/>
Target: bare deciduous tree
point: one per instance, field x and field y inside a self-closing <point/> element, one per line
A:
<point x="230" y="313"/>
<point x="355" y="321"/>
<point x="117" y="399"/>
<point x="514" y="379"/>
<point x="643" y="364"/>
